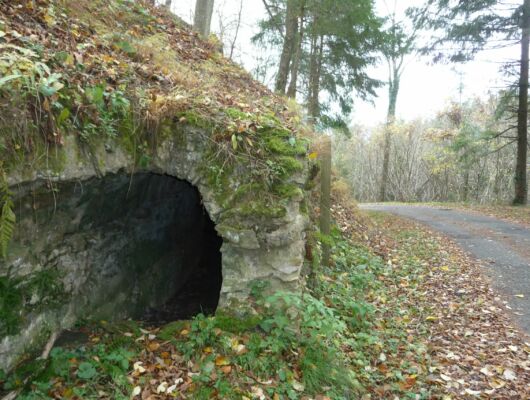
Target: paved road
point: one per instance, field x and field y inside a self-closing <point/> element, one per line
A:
<point x="502" y="247"/>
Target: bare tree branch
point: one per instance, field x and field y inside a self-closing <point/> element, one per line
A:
<point x="238" y="26"/>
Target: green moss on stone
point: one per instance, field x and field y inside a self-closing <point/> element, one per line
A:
<point x="168" y="129"/>
<point x="260" y="209"/>
<point x="288" y="191"/>
<point x="290" y="164"/>
<point x="235" y="114"/>
<point x="197" y="120"/>
<point x="248" y="190"/>
<point x="20" y="296"/>
<point x="236" y="324"/>
<point x="11" y="302"/>
<point x="303" y="207"/>
<point x="56" y="160"/>
<point x="17" y="154"/>
<point x="217" y="174"/>
<point x="171" y="330"/>
<point x="285" y="146"/>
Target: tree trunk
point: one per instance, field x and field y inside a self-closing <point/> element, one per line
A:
<point x="291" y="29"/>
<point x="465" y="194"/>
<point x="497" y="184"/>
<point x="168" y="3"/>
<point x="393" y="91"/>
<point x="521" y="188"/>
<point x="446" y="185"/>
<point x="325" y="199"/>
<point x="315" y="66"/>
<point x="203" y="17"/>
<point x="386" y="164"/>
<point x="295" y="65"/>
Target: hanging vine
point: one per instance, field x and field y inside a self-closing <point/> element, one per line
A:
<point x="7" y="215"/>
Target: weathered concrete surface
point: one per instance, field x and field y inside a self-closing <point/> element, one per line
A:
<point x="503" y="248"/>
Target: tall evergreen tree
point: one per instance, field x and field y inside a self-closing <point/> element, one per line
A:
<point x="477" y="25"/>
<point x="327" y="47"/>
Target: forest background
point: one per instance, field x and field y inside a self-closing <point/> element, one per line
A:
<point x="451" y="137"/>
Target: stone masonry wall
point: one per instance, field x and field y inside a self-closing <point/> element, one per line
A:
<point x="81" y="262"/>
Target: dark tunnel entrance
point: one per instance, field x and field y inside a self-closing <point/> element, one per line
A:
<point x="193" y="249"/>
<point x="158" y="256"/>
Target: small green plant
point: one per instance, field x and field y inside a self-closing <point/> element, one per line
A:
<point x="202" y="334"/>
<point x="80" y="372"/>
<point x="22" y="71"/>
<point x="7" y="215"/>
<point x="305" y="323"/>
<point x="108" y="111"/>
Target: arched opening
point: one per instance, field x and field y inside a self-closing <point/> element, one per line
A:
<point x="173" y="251"/>
<point x="181" y="252"/>
<point x="140" y="246"/>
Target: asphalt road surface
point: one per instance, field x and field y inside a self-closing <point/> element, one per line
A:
<point x="503" y="248"/>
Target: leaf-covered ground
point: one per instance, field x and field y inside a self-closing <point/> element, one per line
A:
<point x="331" y="343"/>
<point x="122" y="44"/>
<point x="476" y="350"/>
<point x="415" y="321"/>
<point x="131" y="73"/>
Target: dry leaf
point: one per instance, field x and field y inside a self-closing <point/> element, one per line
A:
<point x="222" y="360"/>
<point x="153" y="346"/>
<point x="509" y="375"/>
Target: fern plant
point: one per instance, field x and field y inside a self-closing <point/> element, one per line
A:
<point x="7" y="216"/>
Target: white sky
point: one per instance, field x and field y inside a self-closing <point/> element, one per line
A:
<point x="425" y="89"/>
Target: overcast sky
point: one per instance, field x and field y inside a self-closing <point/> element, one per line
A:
<point x="425" y="89"/>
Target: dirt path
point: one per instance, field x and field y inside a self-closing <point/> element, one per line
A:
<point x="502" y="247"/>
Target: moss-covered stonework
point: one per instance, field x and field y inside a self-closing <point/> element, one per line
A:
<point x="263" y="234"/>
<point x="107" y="101"/>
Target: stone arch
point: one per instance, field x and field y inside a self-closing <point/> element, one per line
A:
<point x="257" y="244"/>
